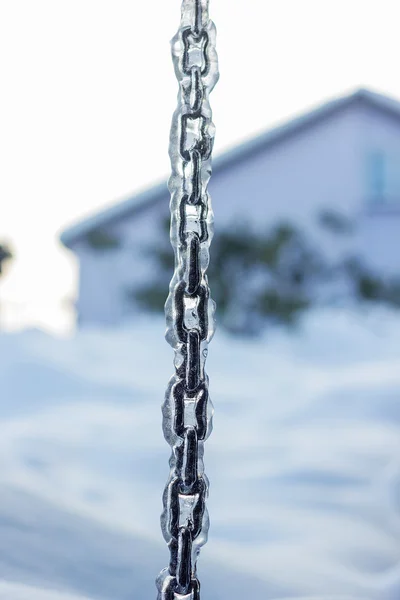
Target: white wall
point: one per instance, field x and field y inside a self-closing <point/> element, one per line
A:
<point x="314" y="168"/>
<point x="106" y="276"/>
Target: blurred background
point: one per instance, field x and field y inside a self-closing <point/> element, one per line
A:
<point x="305" y="367"/>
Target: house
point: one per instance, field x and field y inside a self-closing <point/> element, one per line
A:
<point x="344" y="156"/>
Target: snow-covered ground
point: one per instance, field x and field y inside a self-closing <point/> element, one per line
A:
<point x="304" y="463"/>
<point x="13" y="591"/>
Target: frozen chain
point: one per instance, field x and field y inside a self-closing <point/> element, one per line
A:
<point x="187" y="409"/>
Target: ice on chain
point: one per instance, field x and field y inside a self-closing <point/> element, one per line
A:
<point x="187" y="410"/>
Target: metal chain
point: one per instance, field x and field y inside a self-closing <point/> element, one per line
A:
<point x="187" y="409"/>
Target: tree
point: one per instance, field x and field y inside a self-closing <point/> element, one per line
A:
<point x="5" y="255"/>
<point x="259" y="278"/>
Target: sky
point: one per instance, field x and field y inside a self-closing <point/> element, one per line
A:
<point x="87" y="95"/>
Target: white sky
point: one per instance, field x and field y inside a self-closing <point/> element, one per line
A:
<point x="87" y="94"/>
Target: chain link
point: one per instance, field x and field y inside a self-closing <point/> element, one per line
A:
<point x="187" y="409"/>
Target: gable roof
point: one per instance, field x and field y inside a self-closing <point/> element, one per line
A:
<point x="141" y="201"/>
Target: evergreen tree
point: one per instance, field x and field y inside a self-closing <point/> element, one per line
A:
<point x="263" y="277"/>
<point x="5" y="255"/>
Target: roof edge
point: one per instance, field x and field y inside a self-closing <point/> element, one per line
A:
<point x="243" y="151"/>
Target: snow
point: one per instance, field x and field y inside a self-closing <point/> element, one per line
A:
<point x="304" y="463"/>
<point x="12" y="591"/>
